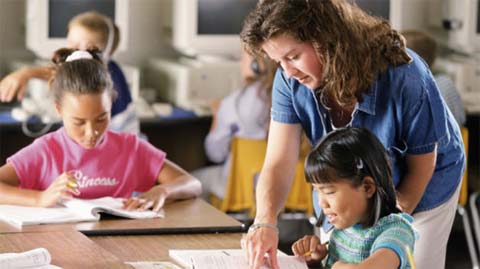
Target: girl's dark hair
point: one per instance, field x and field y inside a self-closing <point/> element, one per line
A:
<point x="351" y="154"/>
<point x="353" y="46"/>
<point x="81" y="76"/>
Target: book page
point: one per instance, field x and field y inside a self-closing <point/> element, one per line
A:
<point x="184" y="256"/>
<point x="110" y="205"/>
<point x="153" y="265"/>
<point x="33" y="258"/>
<point x="24" y="215"/>
<point x="240" y="262"/>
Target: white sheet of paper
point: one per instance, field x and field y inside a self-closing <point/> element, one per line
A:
<point x="153" y="265"/>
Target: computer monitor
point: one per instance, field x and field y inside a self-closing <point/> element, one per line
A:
<point x="461" y="22"/>
<point x="209" y="27"/>
<point x="379" y="8"/>
<point x="47" y="21"/>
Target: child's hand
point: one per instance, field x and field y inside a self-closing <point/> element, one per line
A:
<point x="62" y="188"/>
<point x="13" y="85"/>
<point x="154" y="199"/>
<point x="310" y="248"/>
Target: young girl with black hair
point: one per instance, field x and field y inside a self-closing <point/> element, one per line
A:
<point x="351" y="173"/>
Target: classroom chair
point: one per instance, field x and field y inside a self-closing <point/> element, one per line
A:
<point x="462" y="202"/>
<point x="246" y="161"/>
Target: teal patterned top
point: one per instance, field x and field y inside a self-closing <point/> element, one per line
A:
<point x="355" y="244"/>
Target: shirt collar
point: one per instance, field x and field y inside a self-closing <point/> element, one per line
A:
<point x="369" y="99"/>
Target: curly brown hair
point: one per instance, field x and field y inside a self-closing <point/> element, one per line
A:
<point x="353" y="47"/>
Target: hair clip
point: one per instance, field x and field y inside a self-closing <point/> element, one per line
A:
<point x="79" y="54"/>
<point x="360" y="164"/>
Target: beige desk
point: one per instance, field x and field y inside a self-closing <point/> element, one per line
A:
<point x="68" y="248"/>
<point x="155" y="247"/>
<point x="189" y="216"/>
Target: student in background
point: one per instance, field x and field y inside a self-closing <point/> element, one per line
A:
<point x="85" y="153"/>
<point x="89" y="29"/>
<point x="350" y="170"/>
<point x="341" y="67"/>
<point x="426" y="47"/>
<point x="243" y="113"/>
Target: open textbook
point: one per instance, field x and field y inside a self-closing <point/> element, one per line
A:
<point x="38" y="258"/>
<point x="72" y="210"/>
<point x="227" y="258"/>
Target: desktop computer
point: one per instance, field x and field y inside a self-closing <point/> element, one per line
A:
<point x="465" y="73"/>
<point x="193" y="84"/>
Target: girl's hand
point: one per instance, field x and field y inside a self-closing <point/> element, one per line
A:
<point x="310" y="249"/>
<point x="64" y="187"/>
<point x="154" y="198"/>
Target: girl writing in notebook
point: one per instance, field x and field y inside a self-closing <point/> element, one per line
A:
<point x="86" y="159"/>
<point x="350" y="171"/>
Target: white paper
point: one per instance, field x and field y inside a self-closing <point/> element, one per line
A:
<point x="75" y="210"/>
<point x="110" y="205"/>
<point x="29" y="259"/>
<point x="184" y="256"/>
<point x="240" y="262"/>
<point x="153" y="265"/>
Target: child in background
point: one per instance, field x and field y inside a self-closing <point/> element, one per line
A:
<point x="89" y="29"/>
<point x="244" y="113"/>
<point x="426" y="47"/>
<point x="350" y="170"/>
<point x="85" y="153"/>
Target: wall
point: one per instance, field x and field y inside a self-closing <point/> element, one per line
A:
<point x="148" y="36"/>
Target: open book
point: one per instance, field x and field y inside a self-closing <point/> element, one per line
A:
<point x="227" y="258"/>
<point x="73" y="210"/>
<point x="38" y="258"/>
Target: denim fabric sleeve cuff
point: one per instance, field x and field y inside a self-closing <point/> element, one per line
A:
<point x="284" y="117"/>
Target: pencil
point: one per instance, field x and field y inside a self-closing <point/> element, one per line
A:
<point x="410" y="257"/>
<point x="72" y="184"/>
<point x="308" y="253"/>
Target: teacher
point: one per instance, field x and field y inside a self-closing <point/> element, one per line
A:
<point x="341" y="67"/>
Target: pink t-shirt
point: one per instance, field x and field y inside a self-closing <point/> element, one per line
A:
<point x="118" y="166"/>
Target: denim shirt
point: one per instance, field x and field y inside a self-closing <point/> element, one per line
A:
<point x="403" y="107"/>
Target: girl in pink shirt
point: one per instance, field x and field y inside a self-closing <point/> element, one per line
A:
<point x="83" y="158"/>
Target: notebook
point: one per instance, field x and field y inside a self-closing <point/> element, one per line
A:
<point x="72" y="210"/>
<point x="227" y="258"/>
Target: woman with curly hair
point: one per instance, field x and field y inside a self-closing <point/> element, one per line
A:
<point x="341" y="67"/>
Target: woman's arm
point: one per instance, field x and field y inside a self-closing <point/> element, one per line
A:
<point x="174" y="183"/>
<point x="420" y="169"/>
<point x="274" y="183"/>
<point x="383" y="258"/>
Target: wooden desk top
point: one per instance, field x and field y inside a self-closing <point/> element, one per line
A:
<point x="68" y="248"/>
<point x="155" y="247"/>
<point x="189" y="216"/>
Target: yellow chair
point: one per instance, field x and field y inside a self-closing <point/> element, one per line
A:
<point x="246" y="161"/>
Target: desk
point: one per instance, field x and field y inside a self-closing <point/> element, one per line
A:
<point x="69" y="249"/>
<point x="180" y="135"/>
<point x="189" y="216"/>
<point x="155" y="247"/>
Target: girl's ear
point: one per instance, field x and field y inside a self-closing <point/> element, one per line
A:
<point x="58" y="108"/>
<point x="369" y="186"/>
